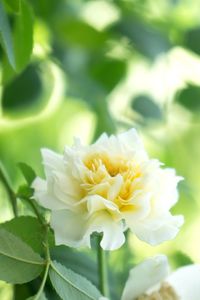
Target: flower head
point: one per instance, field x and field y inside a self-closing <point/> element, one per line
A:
<point x="151" y="280"/>
<point x="108" y="187"/>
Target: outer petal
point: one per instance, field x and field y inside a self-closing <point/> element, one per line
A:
<point x="165" y="191"/>
<point x="132" y="142"/>
<point x="186" y="282"/>
<point x="52" y="161"/>
<point x="70" y="228"/>
<point x="45" y="198"/>
<point x="156" y="230"/>
<point x="113" y="236"/>
<point x="73" y="229"/>
<point x="144" y="276"/>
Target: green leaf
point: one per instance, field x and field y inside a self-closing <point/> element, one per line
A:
<point x="28" y="172"/>
<point x="23" y="36"/>
<point x="102" y="69"/>
<point x="146" y="107"/>
<point x="78" y="262"/>
<point x="5" y="37"/>
<point x="70" y="285"/>
<point x="30" y="231"/>
<point x="189" y="97"/>
<point x="181" y="259"/>
<point x="24" y="191"/>
<point x="145" y="38"/>
<point x="192" y="40"/>
<point x="41" y="297"/>
<point x="19" y="263"/>
<point x="14" y="5"/>
<point x="79" y="33"/>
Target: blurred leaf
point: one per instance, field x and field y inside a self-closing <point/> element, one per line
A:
<point x="192" y="39"/>
<point x="79" y="33"/>
<point x="28" y="172"/>
<point x="181" y="259"/>
<point x="19" y="263"/>
<point x="23" y="90"/>
<point x="108" y="72"/>
<point x="105" y="122"/>
<point x="28" y="229"/>
<point x="5" y="37"/>
<point x="23" y="36"/>
<point x="14" y="5"/>
<point x="146" y="39"/>
<point x="146" y="107"/>
<point x="70" y="285"/>
<point x="189" y="97"/>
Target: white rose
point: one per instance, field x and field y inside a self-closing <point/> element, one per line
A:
<point x="151" y="280"/>
<point x="108" y="187"/>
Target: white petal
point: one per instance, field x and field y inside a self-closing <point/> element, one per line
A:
<point x="142" y="204"/>
<point x="69" y="228"/>
<point x="186" y="282"/>
<point x="158" y="229"/>
<point x="113" y="236"/>
<point x="96" y="203"/>
<point x="165" y="191"/>
<point x="144" y="276"/>
<point x="132" y="142"/>
<point x="74" y="230"/>
<point x="42" y="195"/>
<point x="52" y="161"/>
<point x="115" y="187"/>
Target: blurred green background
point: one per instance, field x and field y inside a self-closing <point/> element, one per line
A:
<point x="79" y="68"/>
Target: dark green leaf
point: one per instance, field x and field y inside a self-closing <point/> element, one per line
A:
<point x="70" y="285"/>
<point x="146" y="107"/>
<point x="189" y="97"/>
<point x="29" y="230"/>
<point x="181" y="259"/>
<point x="28" y="172"/>
<point x="79" y="33"/>
<point x="192" y="39"/>
<point x="19" y="263"/>
<point x="146" y="39"/>
<point x="25" y="191"/>
<point x="5" y="36"/>
<point x="16" y="96"/>
<point x="41" y="297"/>
<point x="23" y="36"/>
<point x="76" y="261"/>
<point x="108" y="72"/>
<point x="14" y="5"/>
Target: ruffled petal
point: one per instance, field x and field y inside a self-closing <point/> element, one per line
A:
<point x="69" y="228"/>
<point x="158" y="229"/>
<point x="144" y="276"/>
<point x="132" y="142"/>
<point x="113" y="236"/>
<point x="42" y="195"/>
<point x="74" y="230"/>
<point x="186" y="282"/>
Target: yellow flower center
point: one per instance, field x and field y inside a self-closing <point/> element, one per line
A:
<point x="166" y="292"/>
<point x="102" y="175"/>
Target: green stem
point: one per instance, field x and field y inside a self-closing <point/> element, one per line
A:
<point x="102" y="268"/>
<point x="48" y="263"/>
<point x="9" y="190"/>
<point x="34" y="208"/>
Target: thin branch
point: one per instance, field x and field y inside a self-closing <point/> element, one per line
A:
<point x="11" y="193"/>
